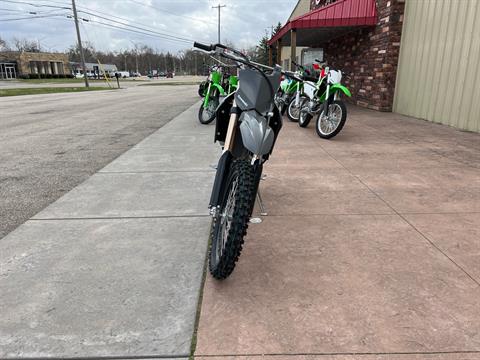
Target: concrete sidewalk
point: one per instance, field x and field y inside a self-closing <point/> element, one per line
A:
<point x="114" y="267"/>
<point x="370" y="250"/>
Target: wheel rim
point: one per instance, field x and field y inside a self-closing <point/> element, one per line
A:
<point x="328" y="124"/>
<point x="226" y="220"/>
<point x="294" y="111"/>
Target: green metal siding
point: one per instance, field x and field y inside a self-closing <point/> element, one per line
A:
<point x="439" y="67"/>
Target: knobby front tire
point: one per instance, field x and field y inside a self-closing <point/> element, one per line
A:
<point x="230" y="227"/>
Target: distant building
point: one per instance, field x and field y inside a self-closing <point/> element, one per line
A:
<point x="15" y="64"/>
<point x="93" y="69"/>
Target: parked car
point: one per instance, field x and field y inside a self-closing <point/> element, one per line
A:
<point x="169" y="75"/>
<point x="123" y="74"/>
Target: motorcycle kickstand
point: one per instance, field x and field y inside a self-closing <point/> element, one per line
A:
<point x="263" y="210"/>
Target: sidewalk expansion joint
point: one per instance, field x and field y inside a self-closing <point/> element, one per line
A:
<point x="426" y="238"/>
<point x="345" y="353"/>
<point x="107" y="357"/>
<point x="120" y="218"/>
<point x="157" y="171"/>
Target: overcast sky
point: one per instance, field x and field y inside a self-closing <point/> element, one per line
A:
<point x="243" y="22"/>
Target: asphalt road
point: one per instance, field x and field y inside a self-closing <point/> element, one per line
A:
<point x="51" y="143"/>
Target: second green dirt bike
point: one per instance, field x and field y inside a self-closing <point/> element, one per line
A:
<point x="323" y="99"/>
<point x="211" y="100"/>
<point x="289" y="87"/>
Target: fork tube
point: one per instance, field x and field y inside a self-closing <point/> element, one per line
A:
<point x="207" y="95"/>
<point x="327" y="105"/>
<point x="232" y="126"/>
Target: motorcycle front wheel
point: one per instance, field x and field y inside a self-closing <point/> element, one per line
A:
<point x="329" y="126"/>
<point x="207" y="115"/>
<point x="231" y="223"/>
<point x="305" y="117"/>
<point x="293" y="111"/>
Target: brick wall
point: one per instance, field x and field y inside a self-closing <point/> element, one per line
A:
<point x="371" y="56"/>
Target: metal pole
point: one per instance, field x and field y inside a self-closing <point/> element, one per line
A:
<point x="219" y="7"/>
<point x="82" y="55"/>
<point x="195" y="64"/>
<point x="136" y="59"/>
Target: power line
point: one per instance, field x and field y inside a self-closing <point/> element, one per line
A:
<point x="163" y="35"/>
<point x="32" y="17"/>
<point x="137" y="27"/>
<point x="137" y="31"/>
<point x="35" y="5"/>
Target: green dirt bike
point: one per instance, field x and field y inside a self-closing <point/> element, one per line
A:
<point x="289" y="87"/>
<point x="212" y="93"/>
<point x="218" y="81"/>
<point x="322" y="98"/>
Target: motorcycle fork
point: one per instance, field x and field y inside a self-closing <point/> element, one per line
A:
<point x="231" y="131"/>
<point x="223" y="167"/>
<point x="207" y="96"/>
<point x="297" y="98"/>
<point x="327" y="100"/>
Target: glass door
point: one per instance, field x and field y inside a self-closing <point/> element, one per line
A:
<point x="10" y="72"/>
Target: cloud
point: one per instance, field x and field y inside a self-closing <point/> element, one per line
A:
<point x="243" y="23"/>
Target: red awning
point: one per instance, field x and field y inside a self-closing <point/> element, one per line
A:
<point x="340" y="14"/>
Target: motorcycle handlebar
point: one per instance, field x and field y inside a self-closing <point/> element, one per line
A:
<point x="291" y="75"/>
<point x="203" y="46"/>
<point x="298" y="65"/>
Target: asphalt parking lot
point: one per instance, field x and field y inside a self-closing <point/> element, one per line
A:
<point x="51" y="143"/>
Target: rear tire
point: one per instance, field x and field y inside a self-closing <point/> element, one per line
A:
<point x="323" y="128"/>
<point x="201" y="88"/>
<point x="230" y="227"/>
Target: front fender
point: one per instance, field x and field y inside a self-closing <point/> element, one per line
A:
<point x="257" y="136"/>
<point x="339" y="87"/>
<point x="220" y="89"/>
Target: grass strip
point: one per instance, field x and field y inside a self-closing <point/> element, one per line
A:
<point x="47" y="90"/>
<point x="172" y="83"/>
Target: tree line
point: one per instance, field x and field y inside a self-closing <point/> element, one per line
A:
<point x="143" y="58"/>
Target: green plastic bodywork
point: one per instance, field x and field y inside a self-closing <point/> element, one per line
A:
<point x="290" y="87"/>
<point x="215" y="82"/>
<point x="232" y="83"/>
<point x="339" y="87"/>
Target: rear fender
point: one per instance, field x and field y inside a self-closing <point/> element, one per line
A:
<point x="339" y="87"/>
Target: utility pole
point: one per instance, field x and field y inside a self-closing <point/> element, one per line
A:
<point x="82" y="55"/>
<point x="219" y="7"/>
<point x="195" y="54"/>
